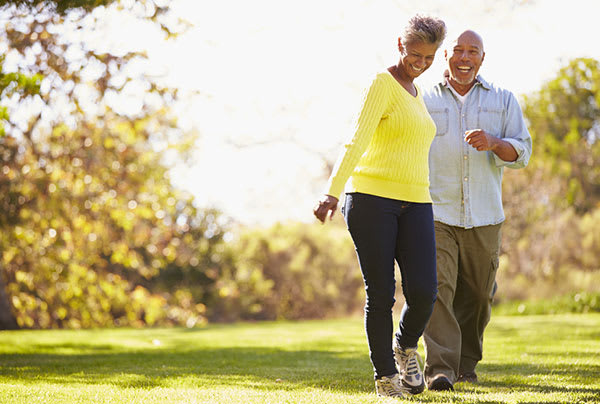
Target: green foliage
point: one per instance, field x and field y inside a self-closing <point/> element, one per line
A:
<point x="60" y="6"/>
<point x="545" y="242"/>
<point x="12" y="84"/>
<point x="64" y="6"/>
<point x="93" y="232"/>
<point x="156" y="11"/>
<point x="90" y="221"/>
<point x="581" y="302"/>
<point x="288" y="272"/>
<point x="551" y="240"/>
<point x="564" y="120"/>
<point x="88" y="225"/>
<point x="527" y="359"/>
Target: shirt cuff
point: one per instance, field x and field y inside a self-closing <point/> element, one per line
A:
<point x="520" y="152"/>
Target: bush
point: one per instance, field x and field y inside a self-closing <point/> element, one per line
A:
<point x="548" y="249"/>
<point x="572" y="303"/>
<point x="288" y="271"/>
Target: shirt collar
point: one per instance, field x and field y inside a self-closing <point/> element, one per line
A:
<point x="478" y="79"/>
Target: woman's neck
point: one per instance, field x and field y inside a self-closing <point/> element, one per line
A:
<point x="403" y="79"/>
<point x="400" y="74"/>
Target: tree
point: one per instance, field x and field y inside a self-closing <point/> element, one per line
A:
<point x="22" y="86"/>
<point x="61" y="7"/>
<point x="553" y="206"/>
<point x="564" y="116"/>
<point x="90" y="219"/>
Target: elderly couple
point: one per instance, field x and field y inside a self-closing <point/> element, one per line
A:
<point x="425" y="180"/>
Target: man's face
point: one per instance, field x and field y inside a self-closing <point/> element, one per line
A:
<point x="465" y="58"/>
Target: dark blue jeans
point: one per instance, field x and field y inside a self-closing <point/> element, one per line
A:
<point x="384" y="230"/>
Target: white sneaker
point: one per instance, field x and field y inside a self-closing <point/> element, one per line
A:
<point x="408" y="363"/>
<point x="389" y="386"/>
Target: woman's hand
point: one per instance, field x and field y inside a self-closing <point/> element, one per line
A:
<point x="326" y="204"/>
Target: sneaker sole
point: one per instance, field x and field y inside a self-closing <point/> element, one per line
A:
<point x="413" y="389"/>
<point x="384" y="396"/>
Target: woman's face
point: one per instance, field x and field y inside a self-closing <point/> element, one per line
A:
<point x="416" y="57"/>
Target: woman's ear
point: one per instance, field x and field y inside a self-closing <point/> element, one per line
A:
<point x="400" y="46"/>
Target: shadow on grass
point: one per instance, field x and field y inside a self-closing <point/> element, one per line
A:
<point x="258" y="368"/>
<point x="511" y="377"/>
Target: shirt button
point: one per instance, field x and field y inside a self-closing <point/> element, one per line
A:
<point x="466" y="179"/>
<point x="465" y="157"/>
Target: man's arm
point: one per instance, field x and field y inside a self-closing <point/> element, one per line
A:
<point x="514" y="131"/>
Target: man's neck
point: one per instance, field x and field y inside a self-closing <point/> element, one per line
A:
<point x="461" y="88"/>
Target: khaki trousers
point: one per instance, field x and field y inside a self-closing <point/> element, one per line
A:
<point x="467" y="261"/>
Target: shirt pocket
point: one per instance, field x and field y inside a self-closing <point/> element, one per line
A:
<point x="441" y="118"/>
<point x="491" y="119"/>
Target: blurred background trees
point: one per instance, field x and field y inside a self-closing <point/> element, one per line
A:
<point x="289" y="271"/>
<point x="94" y="233"/>
<point x="552" y="237"/>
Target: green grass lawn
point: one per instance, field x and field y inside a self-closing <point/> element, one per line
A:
<point x="527" y="359"/>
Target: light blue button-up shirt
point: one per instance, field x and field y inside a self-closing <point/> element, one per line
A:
<point x="466" y="184"/>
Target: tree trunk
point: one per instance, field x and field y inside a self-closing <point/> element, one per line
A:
<point x="7" y="319"/>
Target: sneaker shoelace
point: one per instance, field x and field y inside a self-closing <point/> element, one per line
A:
<point x="411" y="363"/>
<point x="390" y="389"/>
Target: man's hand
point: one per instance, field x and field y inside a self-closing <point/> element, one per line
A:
<point x="326" y="204"/>
<point x="480" y="140"/>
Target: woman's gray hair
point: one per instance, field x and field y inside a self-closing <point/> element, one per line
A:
<point x="424" y="29"/>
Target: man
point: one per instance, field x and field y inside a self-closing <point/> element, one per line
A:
<point x="480" y="130"/>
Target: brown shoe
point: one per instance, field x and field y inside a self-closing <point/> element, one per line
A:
<point x="440" y="383"/>
<point x="468" y="377"/>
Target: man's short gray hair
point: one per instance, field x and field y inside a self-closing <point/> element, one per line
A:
<point x="424" y="29"/>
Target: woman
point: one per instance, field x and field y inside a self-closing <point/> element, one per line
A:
<point x="388" y="208"/>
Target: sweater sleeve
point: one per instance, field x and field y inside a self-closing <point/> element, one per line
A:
<point x="374" y="106"/>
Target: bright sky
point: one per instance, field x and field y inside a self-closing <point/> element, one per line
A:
<point x="279" y="83"/>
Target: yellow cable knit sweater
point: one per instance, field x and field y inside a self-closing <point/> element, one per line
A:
<point x="388" y="155"/>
